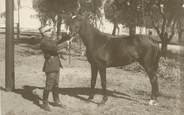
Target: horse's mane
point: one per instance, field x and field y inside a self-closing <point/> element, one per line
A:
<point x="104" y="36"/>
<point x="96" y="31"/>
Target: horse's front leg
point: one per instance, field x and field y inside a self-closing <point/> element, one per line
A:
<point x="103" y="83"/>
<point x="154" y="89"/>
<point x="154" y="86"/>
<point x="94" y="72"/>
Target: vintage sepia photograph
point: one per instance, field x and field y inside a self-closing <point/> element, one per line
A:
<point x="91" y="57"/>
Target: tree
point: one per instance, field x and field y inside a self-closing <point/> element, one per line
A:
<point x="53" y="11"/>
<point x="48" y="10"/>
<point x="164" y="15"/>
<point x="91" y="9"/>
<point x="180" y="25"/>
<point x="112" y="15"/>
<point x="126" y="12"/>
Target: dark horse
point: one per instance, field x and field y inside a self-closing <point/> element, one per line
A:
<point x="104" y="50"/>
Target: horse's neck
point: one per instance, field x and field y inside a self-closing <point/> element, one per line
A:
<point x="87" y="33"/>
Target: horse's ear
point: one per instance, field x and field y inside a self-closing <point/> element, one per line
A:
<point x="79" y="17"/>
<point x="74" y="16"/>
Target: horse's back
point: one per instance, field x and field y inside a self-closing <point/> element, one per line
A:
<point x="125" y="50"/>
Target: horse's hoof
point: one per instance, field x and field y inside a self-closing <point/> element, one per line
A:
<point x="105" y="99"/>
<point x="153" y="103"/>
<point x="37" y="92"/>
<point x="90" y="97"/>
<point x="103" y="102"/>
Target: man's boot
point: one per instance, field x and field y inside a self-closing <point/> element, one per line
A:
<point x="45" y="105"/>
<point x="57" y="101"/>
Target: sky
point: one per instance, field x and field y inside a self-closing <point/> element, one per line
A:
<point x="26" y="14"/>
<point x="2" y="6"/>
<point x="24" y="3"/>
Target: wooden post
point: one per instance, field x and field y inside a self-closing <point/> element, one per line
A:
<point x="18" y="24"/>
<point x="80" y="45"/>
<point x="69" y="51"/>
<point x="18" y="31"/>
<point x="9" y="51"/>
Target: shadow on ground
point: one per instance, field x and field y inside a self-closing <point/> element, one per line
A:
<point x="26" y="92"/>
<point x="78" y="91"/>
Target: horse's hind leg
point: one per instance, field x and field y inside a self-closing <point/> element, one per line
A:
<point x="94" y="72"/>
<point x="154" y="84"/>
<point x="151" y="69"/>
<point x="154" y="87"/>
<point x="103" y="83"/>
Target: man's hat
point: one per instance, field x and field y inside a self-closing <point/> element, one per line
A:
<point x="45" y="28"/>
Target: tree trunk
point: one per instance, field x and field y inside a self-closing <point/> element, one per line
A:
<point x="132" y="30"/>
<point x="180" y="35"/>
<point x="164" y="44"/>
<point x="59" y="26"/>
<point x="114" y="29"/>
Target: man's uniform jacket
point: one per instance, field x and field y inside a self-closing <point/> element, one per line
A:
<point x="52" y="61"/>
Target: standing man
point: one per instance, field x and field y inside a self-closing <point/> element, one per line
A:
<point x="51" y="66"/>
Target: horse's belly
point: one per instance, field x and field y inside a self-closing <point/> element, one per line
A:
<point x="116" y="56"/>
<point x="120" y="61"/>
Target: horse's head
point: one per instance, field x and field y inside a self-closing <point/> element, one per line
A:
<point x="74" y="24"/>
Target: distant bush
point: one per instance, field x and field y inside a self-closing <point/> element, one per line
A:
<point x="134" y="67"/>
<point x="169" y="68"/>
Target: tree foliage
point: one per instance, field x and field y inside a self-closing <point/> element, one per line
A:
<point x="91" y="9"/>
<point x="48" y="10"/>
<point x="180" y="25"/>
<point x="127" y="12"/>
<point x="162" y="15"/>
<point x="91" y="6"/>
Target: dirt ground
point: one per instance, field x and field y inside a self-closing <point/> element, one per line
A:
<point x="128" y="91"/>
